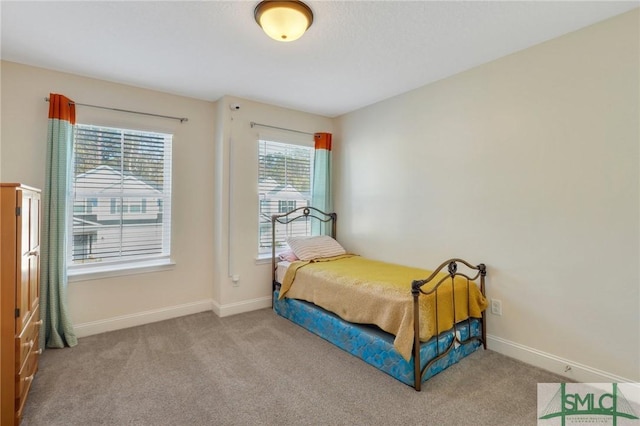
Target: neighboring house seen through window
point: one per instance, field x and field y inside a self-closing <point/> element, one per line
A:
<point x="285" y="173"/>
<point x="286" y="205"/>
<point x="121" y="193"/>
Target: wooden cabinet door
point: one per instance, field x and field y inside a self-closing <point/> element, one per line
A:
<point x="28" y="249"/>
<point x="34" y="249"/>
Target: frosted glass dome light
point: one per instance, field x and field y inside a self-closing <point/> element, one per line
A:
<point x="283" y="20"/>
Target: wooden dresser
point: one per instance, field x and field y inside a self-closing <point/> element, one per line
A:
<point x="19" y="296"/>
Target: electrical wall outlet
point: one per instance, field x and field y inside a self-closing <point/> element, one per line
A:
<point x="496" y="307"/>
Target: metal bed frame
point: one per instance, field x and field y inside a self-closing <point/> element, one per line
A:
<point x="300" y="214"/>
<point x="416" y="290"/>
<point x="478" y="272"/>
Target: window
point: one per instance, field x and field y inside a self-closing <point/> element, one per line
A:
<point x="286" y="205"/>
<point x="121" y="193"/>
<point x="285" y="174"/>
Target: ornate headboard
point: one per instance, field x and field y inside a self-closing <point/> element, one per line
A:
<point x="301" y="214"/>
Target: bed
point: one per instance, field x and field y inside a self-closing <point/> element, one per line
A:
<point x="367" y="307"/>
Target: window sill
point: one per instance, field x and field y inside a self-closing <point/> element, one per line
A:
<point x="262" y="259"/>
<point x="109" y="271"/>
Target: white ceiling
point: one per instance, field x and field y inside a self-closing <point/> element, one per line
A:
<point x="356" y="52"/>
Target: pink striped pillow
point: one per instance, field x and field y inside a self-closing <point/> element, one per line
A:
<point x="317" y="247"/>
<point x="288" y="255"/>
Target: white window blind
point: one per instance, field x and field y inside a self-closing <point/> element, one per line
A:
<point x="121" y="193"/>
<point x="285" y="173"/>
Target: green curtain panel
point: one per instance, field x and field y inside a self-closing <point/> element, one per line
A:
<point x="321" y="197"/>
<point x="57" y="330"/>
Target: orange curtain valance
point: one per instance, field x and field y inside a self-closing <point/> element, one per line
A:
<point x="62" y="108"/>
<point x="323" y="141"/>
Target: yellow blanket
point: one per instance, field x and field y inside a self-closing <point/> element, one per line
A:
<point x="366" y="291"/>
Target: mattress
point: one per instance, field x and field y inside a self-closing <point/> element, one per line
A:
<point x="281" y="270"/>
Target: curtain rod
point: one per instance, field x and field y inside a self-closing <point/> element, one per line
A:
<point x="182" y="119"/>
<point x="280" y="128"/>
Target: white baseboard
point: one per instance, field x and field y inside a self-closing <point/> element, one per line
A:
<point x="241" y="307"/>
<point x="140" y="318"/>
<point x="577" y="372"/>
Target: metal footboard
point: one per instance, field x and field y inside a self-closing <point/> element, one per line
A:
<point x="416" y="291"/>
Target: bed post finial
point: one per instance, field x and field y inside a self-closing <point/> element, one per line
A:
<point x="483" y="269"/>
<point x="453" y="267"/>
<point x="415" y="287"/>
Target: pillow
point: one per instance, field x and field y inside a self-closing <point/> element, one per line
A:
<point x="288" y="255"/>
<point x="310" y="248"/>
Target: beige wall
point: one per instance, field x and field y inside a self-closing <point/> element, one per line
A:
<point x="202" y="175"/>
<point x="237" y="217"/>
<point x="97" y="305"/>
<point x="529" y="164"/>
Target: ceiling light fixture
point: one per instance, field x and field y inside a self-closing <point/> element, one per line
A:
<point x="283" y="20"/>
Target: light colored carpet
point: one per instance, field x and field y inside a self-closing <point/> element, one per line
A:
<point x="260" y="369"/>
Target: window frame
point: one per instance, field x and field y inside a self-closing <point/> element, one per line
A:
<point x="129" y="264"/>
<point x="302" y="141"/>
